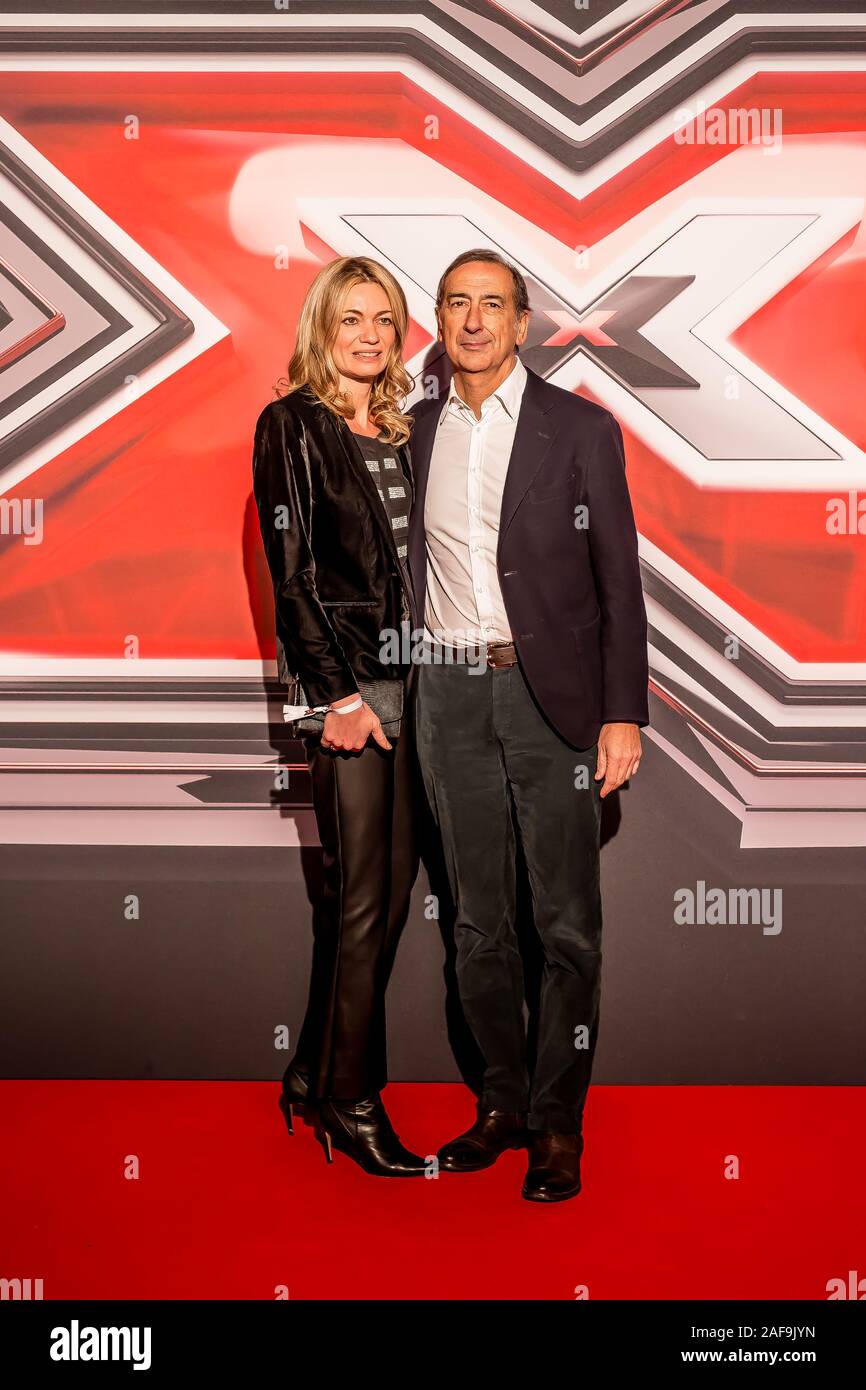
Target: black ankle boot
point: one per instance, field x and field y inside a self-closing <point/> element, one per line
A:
<point x="363" y="1132"/>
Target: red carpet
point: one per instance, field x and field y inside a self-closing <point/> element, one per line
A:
<point x="228" y="1206"/>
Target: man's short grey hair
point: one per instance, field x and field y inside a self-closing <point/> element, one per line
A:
<point x="520" y="294"/>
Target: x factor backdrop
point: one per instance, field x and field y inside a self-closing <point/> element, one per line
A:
<point x="683" y="186"/>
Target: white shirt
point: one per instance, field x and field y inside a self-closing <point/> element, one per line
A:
<point x="461" y="516"/>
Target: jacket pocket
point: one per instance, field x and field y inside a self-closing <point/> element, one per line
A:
<point x="587" y="645"/>
<point x="558" y="492"/>
<point x="582" y="627"/>
<point x="349" y="602"/>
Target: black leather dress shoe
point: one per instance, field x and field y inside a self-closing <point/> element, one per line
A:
<point x="492" y="1133"/>
<point x="553" y="1174"/>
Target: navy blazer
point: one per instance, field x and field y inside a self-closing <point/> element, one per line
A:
<point x="570" y="578"/>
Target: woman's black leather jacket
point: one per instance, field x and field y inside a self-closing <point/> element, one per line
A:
<point x="339" y="586"/>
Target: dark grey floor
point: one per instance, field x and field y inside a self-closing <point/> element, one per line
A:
<point x="217" y="962"/>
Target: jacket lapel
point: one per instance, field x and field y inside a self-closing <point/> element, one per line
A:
<point x="536" y="431"/>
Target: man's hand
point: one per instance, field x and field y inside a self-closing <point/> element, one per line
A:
<point x="619" y="754"/>
<point x="349" y="732"/>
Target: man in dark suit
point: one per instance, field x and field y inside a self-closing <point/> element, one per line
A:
<point x="524" y="562"/>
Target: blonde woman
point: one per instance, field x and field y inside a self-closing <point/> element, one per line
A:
<point x="333" y="489"/>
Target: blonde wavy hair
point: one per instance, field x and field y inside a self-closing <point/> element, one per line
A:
<point x="312" y="362"/>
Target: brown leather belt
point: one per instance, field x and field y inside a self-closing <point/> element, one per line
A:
<point x="501" y="654"/>
<point x="497" y="654"/>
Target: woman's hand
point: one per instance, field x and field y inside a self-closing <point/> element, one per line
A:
<point x="349" y="732"/>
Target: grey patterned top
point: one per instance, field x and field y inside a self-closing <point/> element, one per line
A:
<point x="383" y="462"/>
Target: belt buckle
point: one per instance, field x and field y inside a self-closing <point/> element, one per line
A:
<point x="491" y="655"/>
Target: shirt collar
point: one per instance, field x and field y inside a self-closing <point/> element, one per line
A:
<point x="509" y="393"/>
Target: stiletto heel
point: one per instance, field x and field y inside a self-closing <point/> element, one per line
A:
<point x="294" y="1098"/>
<point x="286" y="1107"/>
<point x="325" y="1138"/>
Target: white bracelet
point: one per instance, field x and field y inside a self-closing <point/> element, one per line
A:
<point x="293" y="712"/>
<point x="347" y="709"/>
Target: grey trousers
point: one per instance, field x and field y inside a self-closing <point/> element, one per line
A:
<point x="494" y="772"/>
